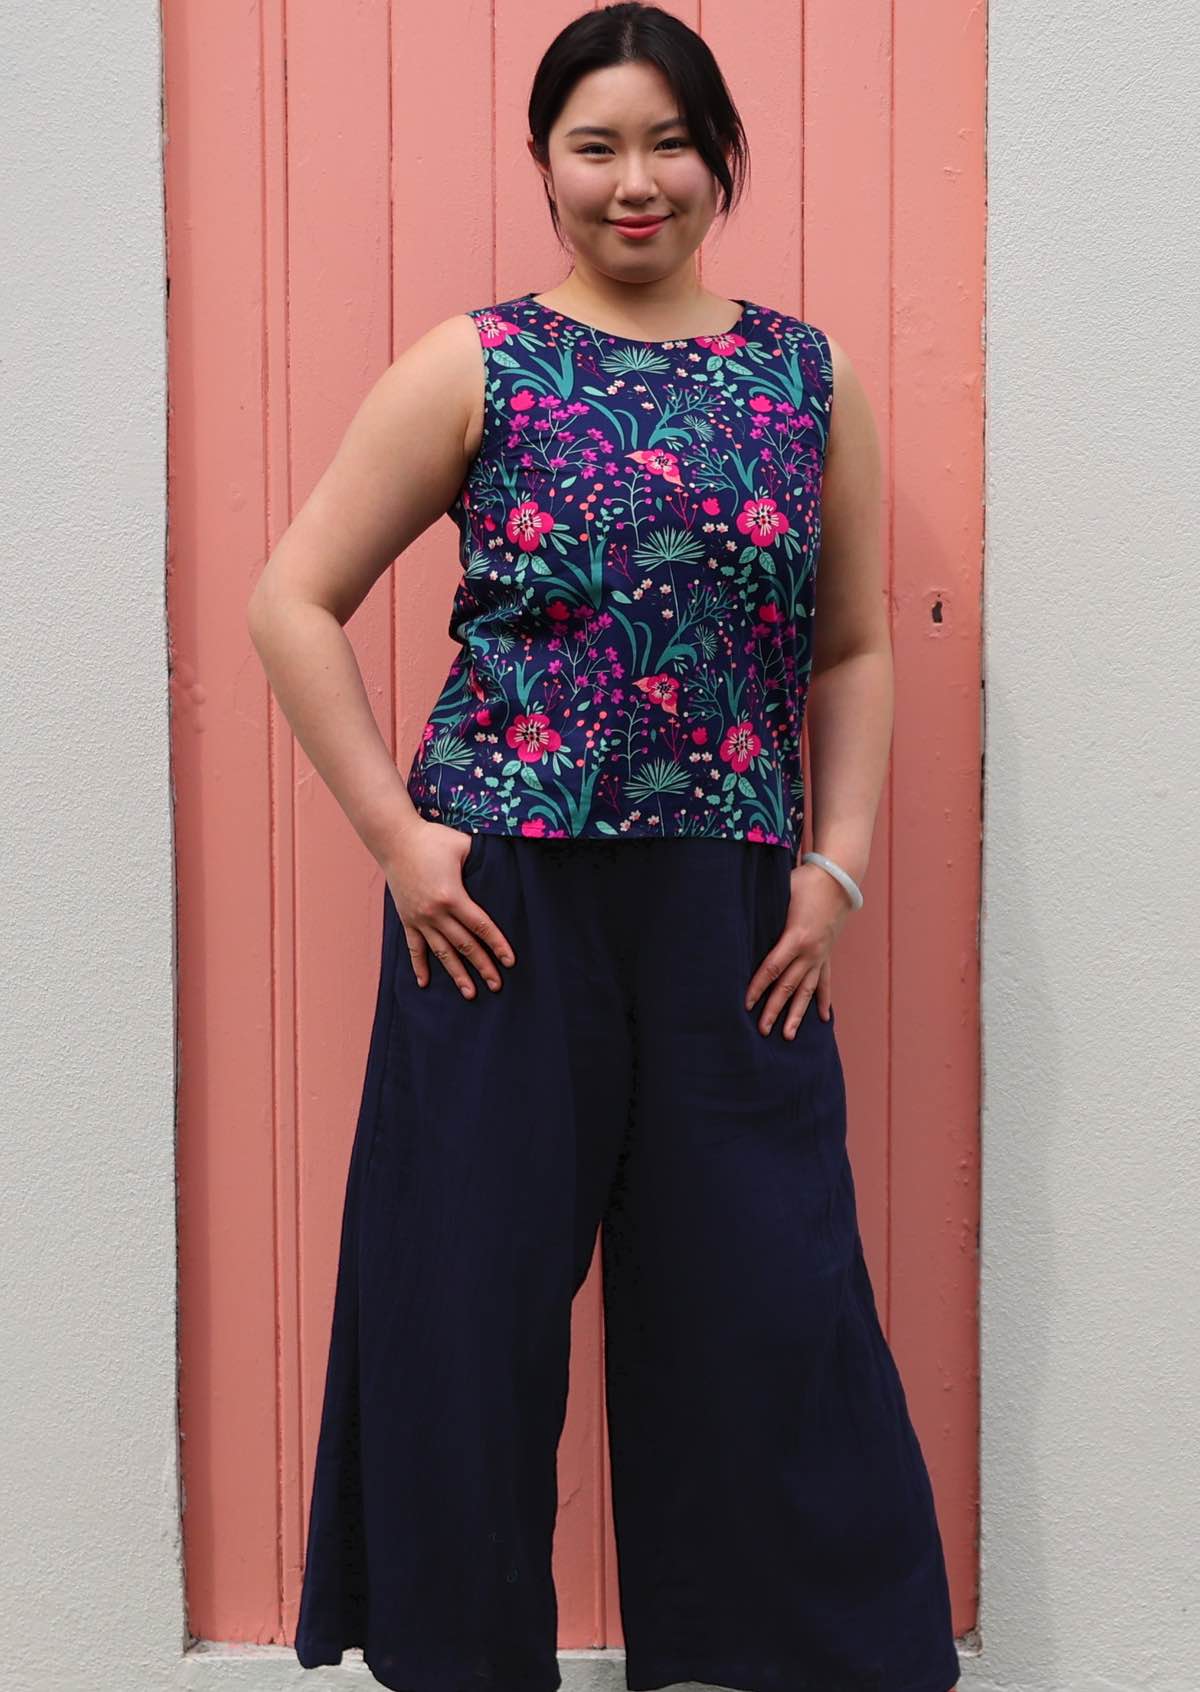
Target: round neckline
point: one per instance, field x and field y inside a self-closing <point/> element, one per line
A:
<point x="636" y="340"/>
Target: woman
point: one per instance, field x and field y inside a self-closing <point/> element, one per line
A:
<point x="602" y="820"/>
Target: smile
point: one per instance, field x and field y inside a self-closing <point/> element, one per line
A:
<point x="639" y="231"/>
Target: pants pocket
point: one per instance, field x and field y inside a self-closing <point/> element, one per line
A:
<point x="474" y="853"/>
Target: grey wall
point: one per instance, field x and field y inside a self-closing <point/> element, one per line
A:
<point x="1091" y="1002"/>
<point x="90" y="1578"/>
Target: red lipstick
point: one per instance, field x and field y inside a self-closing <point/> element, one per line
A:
<point x="638" y="228"/>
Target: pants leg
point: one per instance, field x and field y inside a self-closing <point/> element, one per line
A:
<point x="774" y="1519"/>
<point x="774" y="1522"/>
<point x="482" y="1159"/>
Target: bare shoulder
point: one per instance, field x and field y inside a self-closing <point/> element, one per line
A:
<point x="844" y="373"/>
<point x="463" y="351"/>
<point x="851" y="597"/>
<point x="445" y="366"/>
<point x="852" y="434"/>
<point x="401" y="462"/>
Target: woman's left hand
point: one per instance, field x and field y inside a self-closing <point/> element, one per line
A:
<point x="798" y="962"/>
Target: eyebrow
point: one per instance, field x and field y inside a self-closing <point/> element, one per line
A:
<point x="599" y="129"/>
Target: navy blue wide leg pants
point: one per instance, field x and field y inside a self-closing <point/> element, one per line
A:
<point x="774" y="1521"/>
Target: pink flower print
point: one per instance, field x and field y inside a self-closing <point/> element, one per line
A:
<point x="760" y="402"/>
<point x="660" y="463"/>
<point x="722" y="345"/>
<point x="711" y="507"/>
<point x="741" y="746"/>
<point x="494" y="330"/>
<point x="535" y="829"/>
<point x="662" y="689"/>
<point x="523" y="400"/>
<point x="527" y="523"/>
<point x="763" y="521"/>
<point x="559" y="610"/>
<point x="700" y="736"/>
<point x="770" y="612"/>
<point x="427" y="734"/>
<point x="532" y="737"/>
<point x="762" y="837"/>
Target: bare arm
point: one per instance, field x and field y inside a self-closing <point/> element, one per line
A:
<point x="401" y="462"/>
<point x="850" y="707"/>
<point x="399" y="465"/>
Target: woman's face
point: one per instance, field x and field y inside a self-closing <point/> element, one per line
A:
<point x="644" y="164"/>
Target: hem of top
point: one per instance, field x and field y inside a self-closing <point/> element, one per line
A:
<point x="733" y="1677"/>
<point x="615" y="838"/>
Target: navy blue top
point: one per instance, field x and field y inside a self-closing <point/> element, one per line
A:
<point x="639" y="535"/>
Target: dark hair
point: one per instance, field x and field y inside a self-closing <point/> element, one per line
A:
<point x="616" y="35"/>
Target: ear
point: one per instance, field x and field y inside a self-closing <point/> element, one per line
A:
<point x="542" y="169"/>
<point x="543" y="172"/>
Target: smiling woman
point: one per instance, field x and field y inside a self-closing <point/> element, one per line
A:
<point x="647" y="184"/>
<point x="604" y="816"/>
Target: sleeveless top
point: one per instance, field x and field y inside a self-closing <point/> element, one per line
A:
<point x="638" y="537"/>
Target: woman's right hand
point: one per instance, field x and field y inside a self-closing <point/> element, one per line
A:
<point x="424" y="873"/>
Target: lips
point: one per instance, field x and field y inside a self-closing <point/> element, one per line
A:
<point x="639" y="228"/>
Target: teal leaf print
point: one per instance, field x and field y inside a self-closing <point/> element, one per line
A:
<point x="450" y="750"/>
<point x="657" y="778"/>
<point x="635" y="359"/>
<point x="669" y="546"/>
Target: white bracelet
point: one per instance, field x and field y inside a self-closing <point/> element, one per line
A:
<point x="838" y="874"/>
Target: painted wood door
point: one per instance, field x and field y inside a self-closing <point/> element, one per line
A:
<point x="339" y="177"/>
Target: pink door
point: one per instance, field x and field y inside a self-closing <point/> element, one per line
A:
<point x="306" y="146"/>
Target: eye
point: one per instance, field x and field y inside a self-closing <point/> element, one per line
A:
<point x="671" y="141"/>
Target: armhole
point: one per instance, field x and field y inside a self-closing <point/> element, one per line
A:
<point x="492" y="423"/>
<point x="823" y="397"/>
<point x="821" y="341"/>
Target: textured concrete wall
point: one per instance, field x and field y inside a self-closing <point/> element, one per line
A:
<point x="1091" y="989"/>
<point x="90" y="1582"/>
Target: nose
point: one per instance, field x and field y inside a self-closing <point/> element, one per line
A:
<point x="637" y="183"/>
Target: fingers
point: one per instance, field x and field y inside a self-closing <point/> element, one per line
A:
<point x="800" y="1001"/>
<point x="461" y="934"/>
<point x="791" y="979"/>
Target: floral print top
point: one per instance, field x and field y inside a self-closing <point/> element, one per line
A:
<point x="639" y="538"/>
